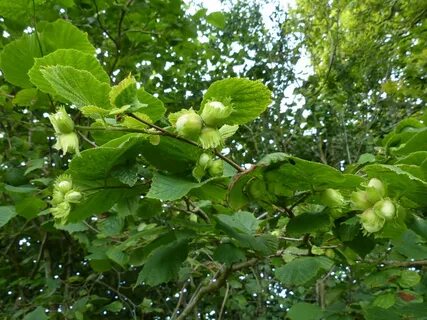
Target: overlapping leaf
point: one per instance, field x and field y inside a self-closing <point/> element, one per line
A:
<point x="249" y="98"/>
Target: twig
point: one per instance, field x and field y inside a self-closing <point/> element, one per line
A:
<point x="221" y="311"/>
<point x="198" y="210"/>
<point x="215" y="284"/>
<point x="303" y="197"/>
<point x="35" y="29"/>
<point x="172" y="135"/>
<point x="142" y="31"/>
<point x="291" y="239"/>
<point x="124" y="298"/>
<point x="39" y="256"/>
<point x="91" y="227"/>
<point x="118" y="129"/>
<point x="180" y="300"/>
<point x="101" y="25"/>
<point x="415" y="263"/>
<point x="262" y="215"/>
<point x="93" y="144"/>
<point x="320" y="289"/>
<point x="16" y="237"/>
<point x="36" y="33"/>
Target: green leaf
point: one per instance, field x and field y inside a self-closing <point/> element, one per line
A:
<point x="30" y="207"/>
<point x="414" y="158"/>
<point x="164" y="263"/>
<point x="149" y="208"/>
<point x="171" y="155"/>
<point x="385" y="300"/>
<point x="34" y="164"/>
<point x="417" y="143"/>
<point x="400" y="182"/>
<point x="304" y="311"/>
<point x="308" y="223"/>
<point x="20" y="189"/>
<point x="381" y="278"/>
<point x="418" y="225"/>
<point x="113" y="155"/>
<point x="115" y="307"/>
<point x="118" y="256"/>
<point x="61" y="34"/>
<point x="249" y="98"/>
<point x="124" y="94"/>
<point x="169" y="188"/>
<point x="283" y="175"/>
<point x="154" y="109"/>
<point x="217" y="19"/>
<point x="227" y="253"/>
<point x="26" y="97"/>
<point x="97" y="202"/>
<point x="410" y="245"/>
<point x="100" y="265"/>
<point x="6" y="214"/>
<point x="377" y="313"/>
<point x="242" y="226"/>
<point x="65" y="57"/>
<point x="366" y="158"/>
<point x="409" y="279"/>
<point x="298" y="174"/>
<point x="72" y="227"/>
<point x="361" y="244"/>
<point x="17" y="58"/>
<point x="77" y="86"/>
<point x="111" y="226"/>
<point x="126" y="174"/>
<point x="37" y="314"/>
<point x="14" y="10"/>
<point x="302" y="270"/>
<point x="241" y="221"/>
<point x="126" y="97"/>
<point x="95" y="113"/>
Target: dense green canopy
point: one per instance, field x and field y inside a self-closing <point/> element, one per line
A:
<point x="162" y="161"/>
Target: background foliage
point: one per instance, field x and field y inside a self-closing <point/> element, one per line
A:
<point x="148" y="241"/>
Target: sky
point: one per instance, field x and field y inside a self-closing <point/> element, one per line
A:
<point x="303" y="66"/>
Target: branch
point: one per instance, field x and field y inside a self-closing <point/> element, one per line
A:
<point x="118" y="129"/>
<point x="227" y="289"/>
<point x="39" y="256"/>
<point x="180" y="301"/>
<point x="118" y="42"/>
<point x="172" y="135"/>
<point x="415" y="263"/>
<point x="93" y="144"/>
<point x="101" y="25"/>
<point x="215" y="284"/>
<point x="123" y="297"/>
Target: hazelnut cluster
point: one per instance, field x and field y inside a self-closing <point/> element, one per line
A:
<point x="377" y="209"/>
<point x="64" y="195"/>
<point x="66" y="138"/>
<point x="206" y="127"/>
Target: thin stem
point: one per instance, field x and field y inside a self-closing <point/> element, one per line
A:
<point x="123" y="297"/>
<point x="229" y="161"/>
<point x="93" y="144"/>
<point x="35" y="29"/>
<point x="39" y="256"/>
<point x="214" y="285"/>
<point x="36" y="33"/>
<point x="221" y="312"/>
<point x="180" y="301"/>
<point x="415" y="263"/>
<point x="118" y="129"/>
